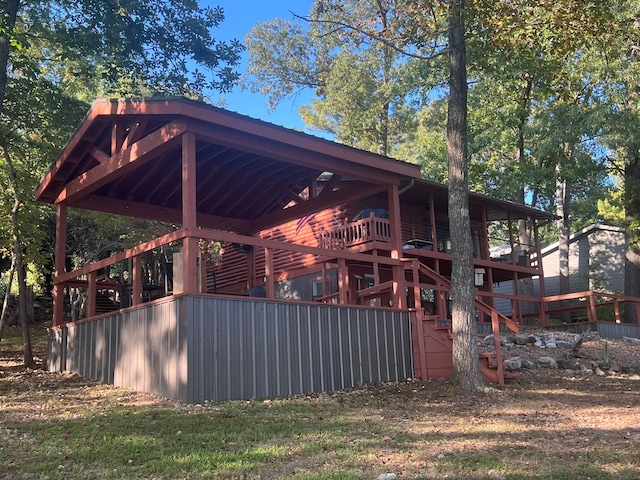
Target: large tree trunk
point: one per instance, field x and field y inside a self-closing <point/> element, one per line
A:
<point x="632" y="214"/>
<point x="5" y="301"/>
<point x="525" y="286"/>
<point x="20" y="267"/>
<point x="564" y="230"/>
<point x="466" y="368"/>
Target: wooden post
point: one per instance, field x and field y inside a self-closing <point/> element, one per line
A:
<point x="60" y="259"/>
<point x="343" y="282"/>
<point x="416" y="286"/>
<point x="422" y="351"/>
<point x="189" y="221"/>
<point x="511" y="245"/>
<point x="268" y="272"/>
<point x="591" y="314"/>
<point x="136" y="278"/>
<point x="495" y="328"/>
<point x="91" y="294"/>
<point x="393" y="199"/>
<point x="376" y="278"/>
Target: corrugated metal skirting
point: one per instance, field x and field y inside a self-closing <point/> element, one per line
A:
<point x="206" y="348"/>
<point x="144" y="349"/>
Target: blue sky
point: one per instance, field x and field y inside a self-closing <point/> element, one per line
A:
<point x="240" y="16"/>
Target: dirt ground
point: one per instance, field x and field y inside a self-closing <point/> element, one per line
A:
<point x="553" y="409"/>
<point x="30" y="388"/>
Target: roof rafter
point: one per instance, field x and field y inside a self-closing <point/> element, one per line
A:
<point x="162" y="139"/>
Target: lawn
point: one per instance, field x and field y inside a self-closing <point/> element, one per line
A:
<point x="543" y="426"/>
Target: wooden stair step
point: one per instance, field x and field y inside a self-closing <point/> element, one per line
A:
<point x="489" y="368"/>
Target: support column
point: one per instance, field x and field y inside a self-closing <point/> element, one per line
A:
<point x="343" y="282"/>
<point x="60" y="259"/>
<point x="189" y="244"/>
<point x="393" y="199"/>
<point x="137" y="281"/>
<point x="91" y="294"/>
<point x="268" y="273"/>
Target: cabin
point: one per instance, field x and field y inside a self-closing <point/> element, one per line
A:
<point x="293" y="264"/>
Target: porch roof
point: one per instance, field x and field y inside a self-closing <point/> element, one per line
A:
<point x="125" y="158"/>
<point x="496" y="209"/>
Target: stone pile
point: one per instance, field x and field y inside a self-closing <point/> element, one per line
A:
<point x="563" y="351"/>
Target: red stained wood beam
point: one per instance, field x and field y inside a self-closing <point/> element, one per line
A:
<point x="119" y="257"/>
<point x="136" y="130"/>
<point x="118" y="165"/>
<point x="99" y="155"/>
<point x="156" y="212"/>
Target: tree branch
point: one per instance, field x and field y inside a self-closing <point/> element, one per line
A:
<point x="392" y="45"/>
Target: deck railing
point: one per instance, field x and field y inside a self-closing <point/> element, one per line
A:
<point x="88" y="281"/>
<point x="361" y="231"/>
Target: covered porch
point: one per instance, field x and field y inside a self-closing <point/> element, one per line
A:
<point x="220" y="178"/>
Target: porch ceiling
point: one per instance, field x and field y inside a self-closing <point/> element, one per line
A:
<point x="125" y="158"/>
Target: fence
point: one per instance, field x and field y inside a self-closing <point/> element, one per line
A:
<point x="197" y="348"/>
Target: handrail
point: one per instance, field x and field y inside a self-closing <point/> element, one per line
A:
<point x="124" y="255"/>
<point x="592" y="305"/>
<point x="367" y="229"/>
<point x="479" y="304"/>
<point x="74" y="278"/>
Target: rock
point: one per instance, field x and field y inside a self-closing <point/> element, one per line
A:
<point x="528" y="364"/>
<point x="568" y="364"/>
<point x="548" y="362"/>
<point x="550" y="344"/>
<point x="604" y="365"/>
<point x="513" y="363"/>
<point x="387" y="476"/>
<point x="586" y="365"/>
<point x="487" y="341"/>
<point x="598" y="371"/>
<point x="539" y="343"/>
<point x="631" y="340"/>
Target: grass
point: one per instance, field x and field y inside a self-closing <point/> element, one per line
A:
<point x="56" y="426"/>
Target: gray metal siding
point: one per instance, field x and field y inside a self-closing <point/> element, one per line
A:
<point x="204" y="348"/>
<point x="618" y="330"/>
<point x="242" y="349"/>
<point x="143" y="349"/>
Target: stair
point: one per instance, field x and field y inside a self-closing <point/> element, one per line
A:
<point x="489" y="369"/>
<point x="104" y="303"/>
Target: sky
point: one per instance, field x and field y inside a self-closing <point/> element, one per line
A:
<point x="240" y="16"/>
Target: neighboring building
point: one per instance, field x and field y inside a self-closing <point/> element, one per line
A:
<point x="596" y="261"/>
